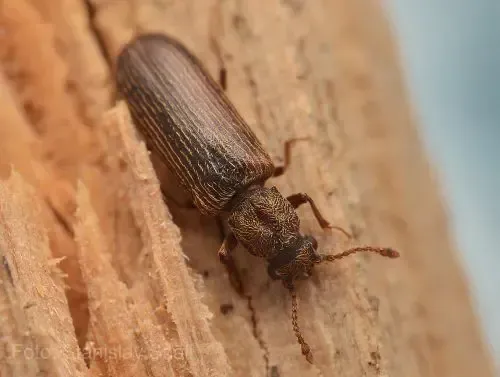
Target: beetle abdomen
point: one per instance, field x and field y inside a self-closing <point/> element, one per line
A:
<point x="189" y="123"/>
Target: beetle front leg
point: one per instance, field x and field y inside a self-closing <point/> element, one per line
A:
<point x="298" y="199"/>
<point x="229" y="244"/>
<point x="226" y="257"/>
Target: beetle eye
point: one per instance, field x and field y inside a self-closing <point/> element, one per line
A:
<point x="313" y="241"/>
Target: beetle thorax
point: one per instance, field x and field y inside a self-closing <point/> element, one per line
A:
<point x="264" y="221"/>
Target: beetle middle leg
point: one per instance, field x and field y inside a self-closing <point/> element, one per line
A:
<point x="279" y="170"/>
<point x="226" y="257"/>
<point x="297" y="200"/>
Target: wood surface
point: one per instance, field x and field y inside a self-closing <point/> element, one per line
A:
<point x="100" y="278"/>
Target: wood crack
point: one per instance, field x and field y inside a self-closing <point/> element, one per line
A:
<point x="92" y="12"/>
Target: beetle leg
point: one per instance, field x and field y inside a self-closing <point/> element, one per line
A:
<point x="229" y="244"/>
<point x="279" y="170"/>
<point x="298" y="199"/>
<point x="225" y="255"/>
<point x="214" y="45"/>
<point x="223" y="78"/>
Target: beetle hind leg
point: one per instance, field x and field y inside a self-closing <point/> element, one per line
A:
<point x="279" y="170"/>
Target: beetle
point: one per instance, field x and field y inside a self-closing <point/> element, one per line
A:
<point x="187" y="120"/>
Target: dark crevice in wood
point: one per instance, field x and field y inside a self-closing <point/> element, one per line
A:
<point x="256" y="332"/>
<point x="61" y="219"/>
<point x="91" y="10"/>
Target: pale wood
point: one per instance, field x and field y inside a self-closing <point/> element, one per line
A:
<point x="36" y="329"/>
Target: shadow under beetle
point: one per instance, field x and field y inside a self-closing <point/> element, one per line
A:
<point x="187" y="120"/>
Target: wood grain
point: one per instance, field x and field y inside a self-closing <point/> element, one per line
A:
<point x="37" y="333"/>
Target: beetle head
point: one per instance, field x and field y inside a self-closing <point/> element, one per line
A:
<point x="296" y="261"/>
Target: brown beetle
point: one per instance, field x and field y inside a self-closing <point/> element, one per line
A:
<point x="188" y="121"/>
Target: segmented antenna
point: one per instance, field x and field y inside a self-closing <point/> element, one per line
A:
<point x="384" y="251"/>
<point x="306" y="350"/>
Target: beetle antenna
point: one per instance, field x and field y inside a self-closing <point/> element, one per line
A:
<point x="306" y="350"/>
<point x="384" y="251"/>
<point x="343" y="231"/>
